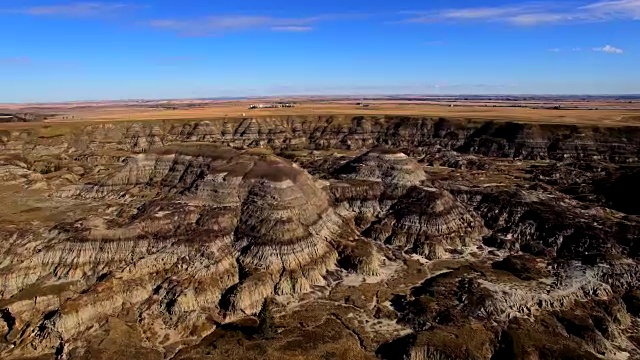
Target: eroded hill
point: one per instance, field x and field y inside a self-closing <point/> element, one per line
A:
<point x="319" y="238"/>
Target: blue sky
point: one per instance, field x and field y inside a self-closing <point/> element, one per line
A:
<point x="58" y="50"/>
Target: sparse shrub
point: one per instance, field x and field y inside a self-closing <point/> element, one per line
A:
<point x="266" y="326"/>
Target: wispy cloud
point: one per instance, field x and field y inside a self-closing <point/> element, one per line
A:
<point x="609" y="49"/>
<point x="216" y="25"/>
<point x="574" y="49"/>
<point x="75" y="9"/>
<point x="617" y="8"/>
<point x="292" y="28"/>
<point x="533" y="13"/>
<point x="17" y="60"/>
<point x="29" y="63"/>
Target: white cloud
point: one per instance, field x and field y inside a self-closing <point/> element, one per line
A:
<point x="76" y="9"/>
<point x="609" y="49"/>
<point x="481" y="13"/>
<point x="292" y="28"/>
<point x="574" y="49"/>
<point x="618" y="8"/>
<point x="220" y="24"/>
<point x="534" y="13"/>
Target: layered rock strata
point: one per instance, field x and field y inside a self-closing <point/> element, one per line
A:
<point x="577" y="315"/>
<point x="224" y="231"/>
<point x="396" y="171"/>
<point x="550" y="224"/>
<point x="183" y="241"/>
<point x="508" y="140"/>
<point x="427" y="221"/>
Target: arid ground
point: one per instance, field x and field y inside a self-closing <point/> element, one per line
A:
<point x="596" y="111"/>
<point x="404" y="229"/>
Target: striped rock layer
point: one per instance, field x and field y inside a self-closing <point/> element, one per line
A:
<point x="217" y="232"/>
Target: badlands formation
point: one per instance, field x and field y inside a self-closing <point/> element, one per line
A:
<point x="320" y="238"/>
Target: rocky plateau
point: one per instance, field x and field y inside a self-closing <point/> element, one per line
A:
<point x="320" y="237"/>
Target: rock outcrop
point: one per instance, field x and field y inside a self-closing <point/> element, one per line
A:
<point x="396" y="171"/>
<point x="421" y="135"/>
<point x="427" y="221"/>
<point x="576" y="314"/>
<point x="468" y="240"/>
<point x="549" y="225"/>
<point x="223" y="231"/>
<point x="598" y="183"/>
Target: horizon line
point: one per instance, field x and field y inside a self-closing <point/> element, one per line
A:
<point x="632" y="95"/>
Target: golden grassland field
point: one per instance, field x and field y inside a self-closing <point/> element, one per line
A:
<point x="590" y="113"/>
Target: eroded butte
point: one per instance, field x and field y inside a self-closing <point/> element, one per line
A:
<point x="310" y="237"/>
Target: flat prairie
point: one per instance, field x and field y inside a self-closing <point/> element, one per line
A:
<point x="595" y="112"/>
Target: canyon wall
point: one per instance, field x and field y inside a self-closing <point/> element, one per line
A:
<point x="558" y="142"/>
